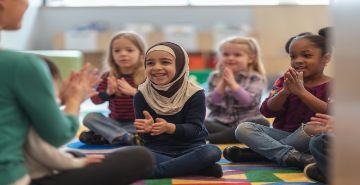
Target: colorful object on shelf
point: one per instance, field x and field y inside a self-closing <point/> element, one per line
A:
<point x="200" y="76"/>
<point x="197" y="61"/>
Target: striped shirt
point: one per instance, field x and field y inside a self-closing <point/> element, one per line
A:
<point x="121" y="106"/>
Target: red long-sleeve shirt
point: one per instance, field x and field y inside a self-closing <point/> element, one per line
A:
<point x="121" y="107"/>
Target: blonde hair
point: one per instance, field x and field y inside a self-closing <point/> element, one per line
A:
<point x="139" y="69"/>
<point x="253" y="49"/>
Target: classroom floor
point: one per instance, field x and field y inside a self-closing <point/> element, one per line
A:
<point x="241" y="174"/>
<point x="234" y="173"/>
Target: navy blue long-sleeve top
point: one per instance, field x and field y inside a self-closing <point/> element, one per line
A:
<point x="190" y="130"/>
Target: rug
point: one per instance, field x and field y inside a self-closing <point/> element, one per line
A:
<point x="264" y="173"/>
<point x="91" y="149"/>
<point x="245" y="173"/>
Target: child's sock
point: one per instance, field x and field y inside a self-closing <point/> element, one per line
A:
<point x="212" y="171"/>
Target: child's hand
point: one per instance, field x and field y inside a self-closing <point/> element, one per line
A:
<point x="318" y="124"/>
<point x="79" y="86"/>
<point x="295" y="81"/>
<point x="220" y="87"/>
<point x="93" y="159"/>
<point x="161" y="126"/>
<point x="285" y="88"/>
<point x="229" y="78"/>
<point x="326" y="120"/>
<point x="111" y="85"/>
<point x="144" y="125"/>
<point x="125" y="88"/>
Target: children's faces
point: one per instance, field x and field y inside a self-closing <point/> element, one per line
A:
<point x="307" y="58"/>
<point x="12" y="13"/>
<point x="160" y="67"/>
<point x="125" y="54"/>
<point x="235" y="57"/>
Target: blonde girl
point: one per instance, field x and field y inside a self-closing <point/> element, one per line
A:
<point x="235" y="88"/>
<point x="125" y="61"/>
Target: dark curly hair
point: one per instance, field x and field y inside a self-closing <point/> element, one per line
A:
<point x="320" y="40"/>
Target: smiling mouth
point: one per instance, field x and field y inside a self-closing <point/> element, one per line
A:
<point x="158" y="75"/>
<point x="300" y="69"/>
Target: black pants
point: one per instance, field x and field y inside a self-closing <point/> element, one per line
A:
<point x="223" y="134"/>
<point x="121" y="167"/>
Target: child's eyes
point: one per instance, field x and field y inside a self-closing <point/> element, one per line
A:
<point x="308" y="55"/>
<point x="149" y="63"/>
<point x="165" y="62"/>
<point x="128" y="50"/>
<point x="233" y="54"/>
<point x="237" y="54"/>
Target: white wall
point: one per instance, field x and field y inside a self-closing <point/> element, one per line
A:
<point x="51" y="20"/>
<point x="21" y="39"/>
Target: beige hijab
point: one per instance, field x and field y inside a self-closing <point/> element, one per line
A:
<point x="169" y="99"/>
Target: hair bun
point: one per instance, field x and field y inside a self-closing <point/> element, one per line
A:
<point x="325" y="32"/>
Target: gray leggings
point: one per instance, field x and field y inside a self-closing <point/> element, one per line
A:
<point x="121" y="167"/>
<point x="108" y="128"/>
<point x="223" y="134"/>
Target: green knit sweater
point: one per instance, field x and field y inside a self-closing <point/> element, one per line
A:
<point x="27" y="98"/>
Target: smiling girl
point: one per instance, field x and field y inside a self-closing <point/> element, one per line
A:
<point x="235" y="89"/>
<point x="294" y="99"/>
<point x="170" y="113"/>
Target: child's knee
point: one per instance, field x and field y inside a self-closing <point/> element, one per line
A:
<point x="244" y="129"/>
<point x="91" y="117"/>
<point x="213" y="152"/>
<point x="316" y="142"/>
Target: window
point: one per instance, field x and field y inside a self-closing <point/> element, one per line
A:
<point x="99" y="3"/>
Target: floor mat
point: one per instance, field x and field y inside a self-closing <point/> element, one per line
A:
<point x="91" y="149"/>
<point x="265" y="173"/>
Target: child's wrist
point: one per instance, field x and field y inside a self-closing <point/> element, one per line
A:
<point x="170" y="128"/>
<point x="134" y="92"/>
<point x="285" y="92"/>
<point x="235" y="87"/>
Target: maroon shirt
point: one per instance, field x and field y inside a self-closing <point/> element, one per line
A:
<point x="121" y="107"/>
<point x="294" y="111"/>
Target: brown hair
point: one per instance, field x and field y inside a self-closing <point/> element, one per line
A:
<point x="54" y="70"/>
<point x="139" y="70"/>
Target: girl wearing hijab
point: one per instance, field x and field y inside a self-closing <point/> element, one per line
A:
<point x="170" y="113"/>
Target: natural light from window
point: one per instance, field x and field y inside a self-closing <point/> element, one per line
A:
<point x="99" y="3"/>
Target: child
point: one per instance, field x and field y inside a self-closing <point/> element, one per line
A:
<point x="41" y="158"/>
<point x="235" y="89"/>
<point x="322" y="130"/>
<point x="294" y="99"/>
<point x="125" y="59"/>
<point x="170" y="112"/>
